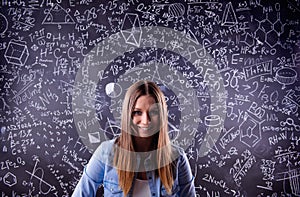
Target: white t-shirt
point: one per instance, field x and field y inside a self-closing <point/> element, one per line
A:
<point x="141" y="188"/>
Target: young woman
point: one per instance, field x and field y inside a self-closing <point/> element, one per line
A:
<point x="141" y="162"/>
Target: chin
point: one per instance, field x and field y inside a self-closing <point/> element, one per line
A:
<point x="145" y="135"/>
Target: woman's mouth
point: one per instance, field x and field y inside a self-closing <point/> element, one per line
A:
<point x="144" y="128"/>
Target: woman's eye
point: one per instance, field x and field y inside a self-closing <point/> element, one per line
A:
<point x="153" y="113"/>
<point x="136" y="113"/>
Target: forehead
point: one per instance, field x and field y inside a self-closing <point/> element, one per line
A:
<point x="145" y="101"/>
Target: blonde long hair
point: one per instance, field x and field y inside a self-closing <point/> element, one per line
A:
<point x="124" y="158"/>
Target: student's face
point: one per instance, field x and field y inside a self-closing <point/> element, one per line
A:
<point x="145" y="116"/>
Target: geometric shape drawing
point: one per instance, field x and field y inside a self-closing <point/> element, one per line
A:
<point x="94" y="137"/>
<point x="69" y="88"/>
<point x="192" y="50"/>
<point x="250" y="132"/>
<point x="176" y="10"/>
<point x="248" y="40"/>
<point x="290" y="180"/>
<point x="132" y="36"/>
<point x="3" y="24"/>
<point x="9" y="179"/>
<point x="229" y="17"/>
<point x="294" y="182"/>
<point x="259" y="69"/>
<point x="16" y="52"/>
<point x="211" y="144"/>
<point x="113" y="90"/>
<point x="191" y="36"/>
<point x="38" y="174"/>
<point x="272" y="38"/>
<point x="112" y="130"/>
<point x="58" y="15"/>
<point x="286" y="76"/>
<point x="212" y="120"/>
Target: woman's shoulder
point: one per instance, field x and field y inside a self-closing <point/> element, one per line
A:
<point x="105" y="148"/>
<point x="107" y="144"/>
<point x="178" y="153"/>
<point x="177" y="149"/>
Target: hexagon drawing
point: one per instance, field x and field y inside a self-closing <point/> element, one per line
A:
<point x="9" y="179"/>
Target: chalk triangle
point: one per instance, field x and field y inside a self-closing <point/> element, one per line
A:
<point x="6" y="85"/>
<point x="229" y="17"/>
<point x="212" y="145"/>
<point x="191" y="36"/>
<point x="76" y="13"/>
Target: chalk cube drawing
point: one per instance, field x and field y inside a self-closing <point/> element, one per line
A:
<point x="16" y="52"/>
<point x="250" y="133"/>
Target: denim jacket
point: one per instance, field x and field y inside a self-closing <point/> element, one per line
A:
<point x="99" y="171"/>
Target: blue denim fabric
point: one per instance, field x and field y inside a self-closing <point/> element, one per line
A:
<point x="100" y="170"/>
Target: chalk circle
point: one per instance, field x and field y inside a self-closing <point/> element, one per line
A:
<point x="176" y="10"/>
<point x="3" y="24"/>
<point x="88" y="74"/>
<point x="113" y="90"/>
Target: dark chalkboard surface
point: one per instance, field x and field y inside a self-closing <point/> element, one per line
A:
<point x="229" y="71"/>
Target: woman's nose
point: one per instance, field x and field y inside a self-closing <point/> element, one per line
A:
<point x="145" y="119"/>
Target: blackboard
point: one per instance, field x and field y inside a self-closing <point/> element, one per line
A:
<point x="229" y="71"/>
